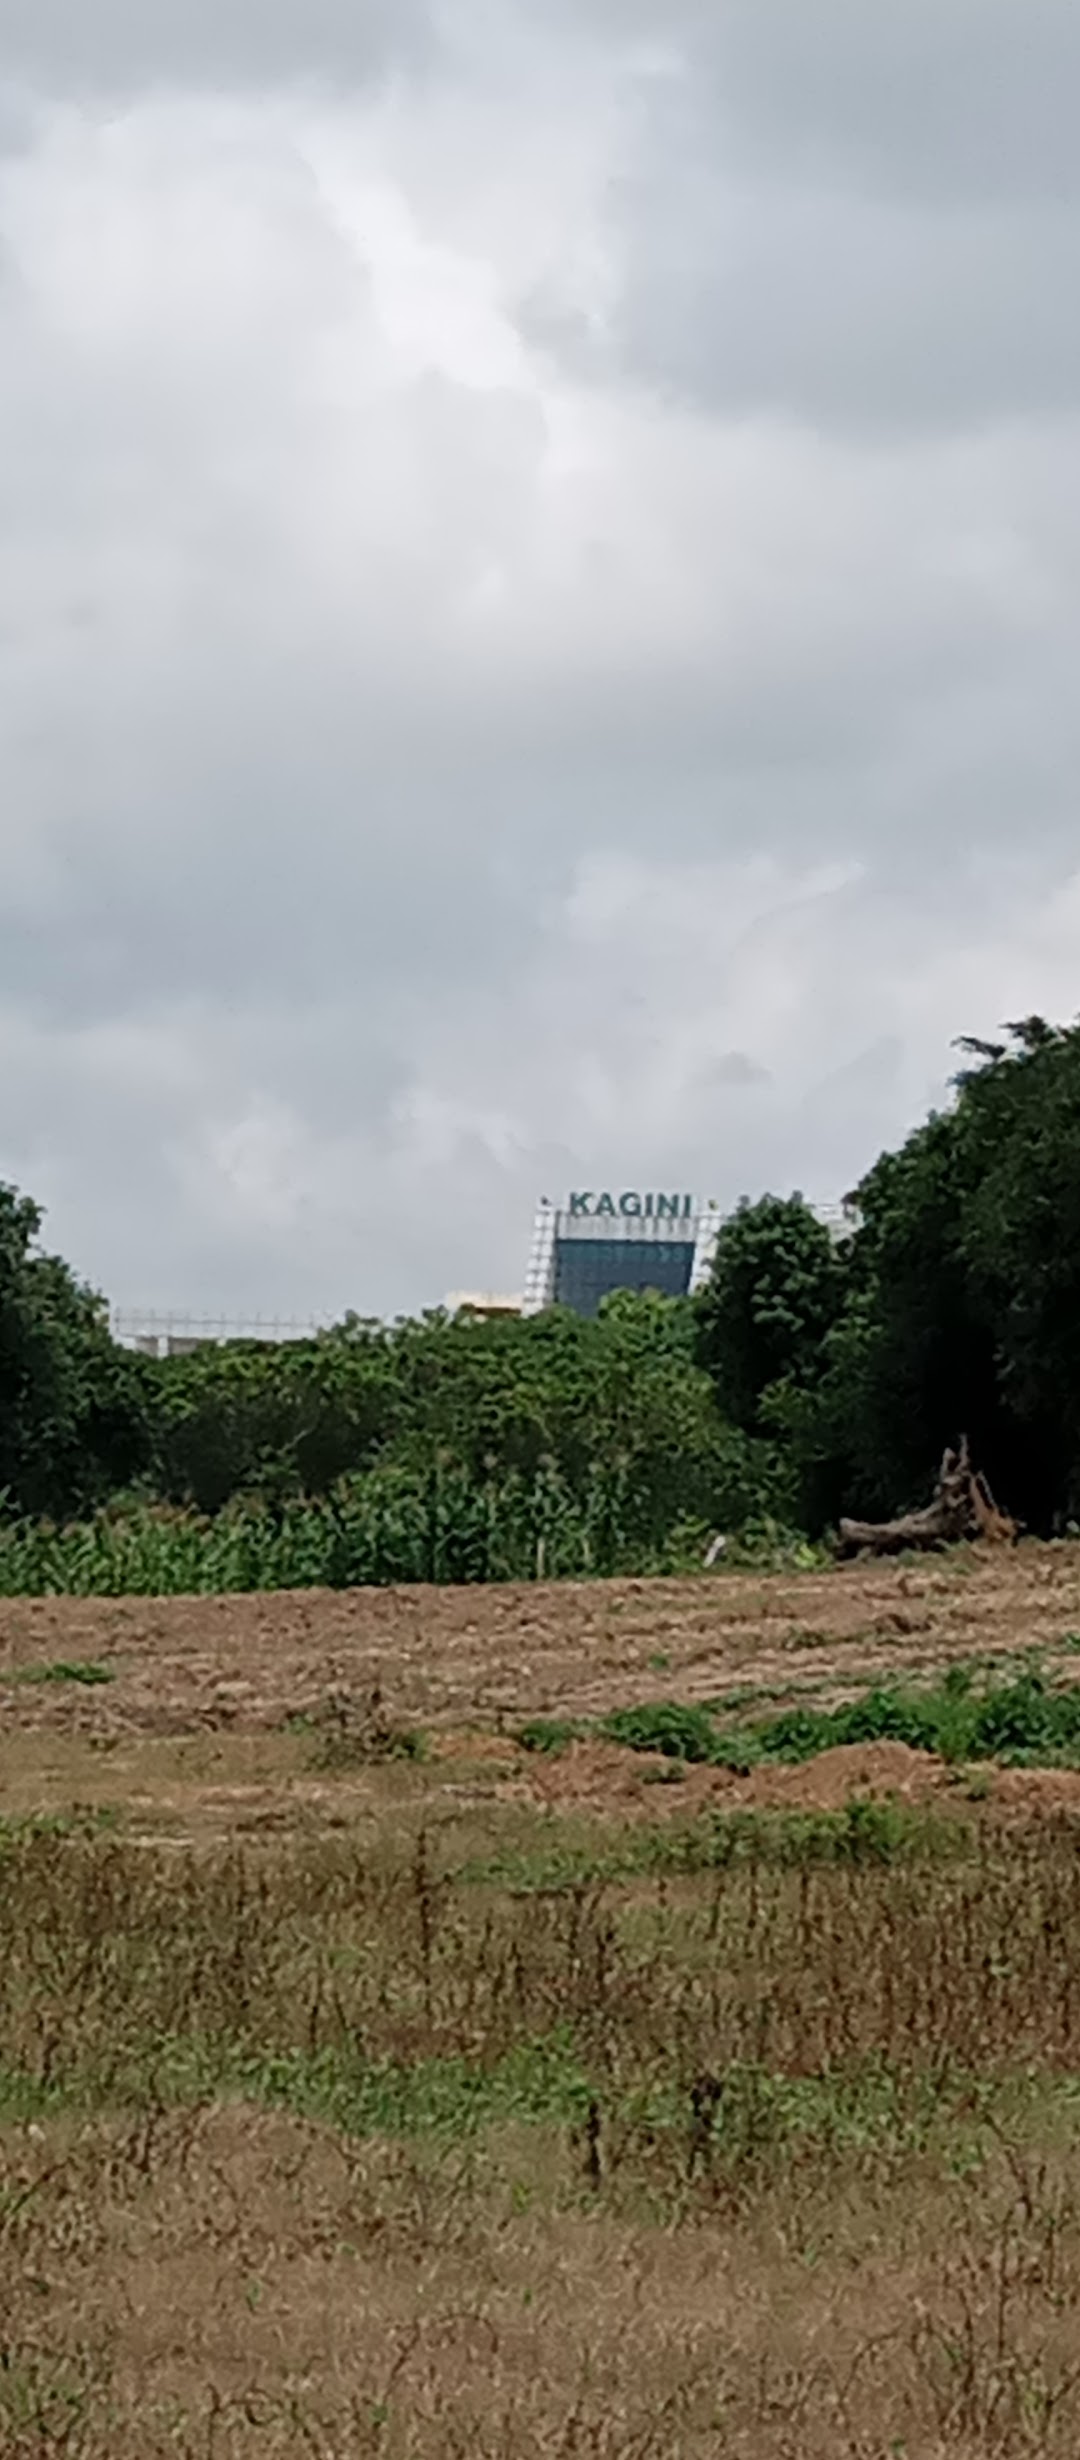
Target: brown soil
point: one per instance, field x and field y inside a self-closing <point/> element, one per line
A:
<point x="204" y="1691"/>
<point x="595" y="1774"/>
<point x="600" y="1777"/>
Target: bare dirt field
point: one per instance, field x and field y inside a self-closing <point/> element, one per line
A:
<point x="206" y="1718"/>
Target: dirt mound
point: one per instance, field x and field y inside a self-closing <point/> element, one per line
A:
<point x="1037" y="1789"/>
<point x="603" y="1776"/>
<point x="850" y="1770"/>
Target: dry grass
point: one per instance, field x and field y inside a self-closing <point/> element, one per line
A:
<point x="228" y="2283"/>
<point x="771" y="2150"/>
<point x="473" y="2105"/>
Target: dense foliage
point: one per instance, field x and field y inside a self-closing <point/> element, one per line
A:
<point x="494" y="1398"/>
<point x="956" y="1306"/>
<point x="777" y="1289"/>
<point x="71" y="1424"/>
<point x="442" y="1448"/>
<point x="808" y="1379"/>
<point x="964" y="1301"/>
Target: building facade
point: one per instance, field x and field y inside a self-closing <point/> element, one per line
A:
<point x="626" y="1239"/>
<point x="630" y="1239"/>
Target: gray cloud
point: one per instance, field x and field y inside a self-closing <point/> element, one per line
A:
<point x="538" y="615"/>
<point x="859" y="216"/>
<point x="942" y="97"/>
<point x="853" y="308"/>
<point x="853" y="216"/>
<point x="121" y="46"/>
<point x="733" y="1068"/>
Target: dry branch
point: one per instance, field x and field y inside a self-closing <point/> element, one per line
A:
<point x="962" y="1508"/>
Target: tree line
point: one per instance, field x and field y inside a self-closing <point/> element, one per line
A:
<point x="955" y="1306"/>
<point x="811" y="1377"/>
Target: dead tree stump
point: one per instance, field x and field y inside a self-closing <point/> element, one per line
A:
<point x="962" y="1508"/>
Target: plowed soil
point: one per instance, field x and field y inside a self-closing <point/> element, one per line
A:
<point x="210" y="1704"/>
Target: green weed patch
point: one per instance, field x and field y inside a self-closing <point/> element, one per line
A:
<point x="64" y="1670"/>
<point x="1024" y="1723"/>
<point x="549" y="1736"/>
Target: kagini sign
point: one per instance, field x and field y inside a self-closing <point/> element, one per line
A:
<point x="630" y="1206"/>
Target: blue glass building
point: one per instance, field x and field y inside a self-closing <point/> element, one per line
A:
<point x="605" y="1240"/>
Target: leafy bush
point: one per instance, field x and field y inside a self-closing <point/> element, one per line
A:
<point x="548" y="1735"/>
<point x="1013" y="1722"/>
<point x="1018" y="1723"/>
<point x="679" y="1732"/>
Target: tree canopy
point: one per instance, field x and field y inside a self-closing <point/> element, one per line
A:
<point x="776" y="1290"/>
<point x="810" y="1378"/>
<point x="71" y="1423"/>
<point x="962" y="1309"/>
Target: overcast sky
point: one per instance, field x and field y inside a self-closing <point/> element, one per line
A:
<point x="539" y="610"/>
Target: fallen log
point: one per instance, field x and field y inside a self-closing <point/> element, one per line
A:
<point x="962" y="1508"/>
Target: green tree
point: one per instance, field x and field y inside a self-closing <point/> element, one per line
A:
<point x="963" y="1298"/>
<point x="776" y="1291"/>
<point x="909" y="1363"/>
<point x="72" y="1423"/>
<point x="280" y="1419"/>
<point x="615" y="1407"/>
<point x="1018" y="1149"/>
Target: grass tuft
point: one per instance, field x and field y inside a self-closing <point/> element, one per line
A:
<point x="64" y="1670"/>
<point x="549" y="1736"/>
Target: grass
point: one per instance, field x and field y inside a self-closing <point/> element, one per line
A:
<point x="79" y="1821"/>
<point x="353" y="1732"/>
<point x="112" y="1952"/>
<point x="449" y="2098"/>
<point x="468" y="2130"/>
<point x="860" y="1832"/>
<point x="64" y="1670"/>
<point x="572" y="2149"/>
<point x="549" y="1737"/>
<point x="519" y="2317"/>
